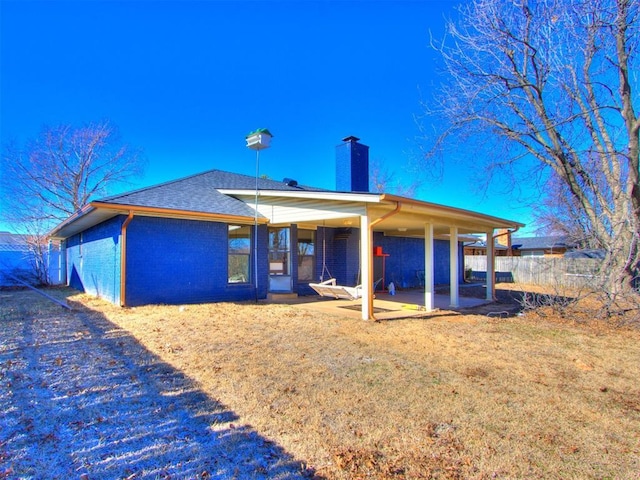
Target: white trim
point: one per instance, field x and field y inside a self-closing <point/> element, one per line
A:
<point x="349" y="197"/>
<point x="454" y="263"/>
<point x="366" y="263"/>
<point x="429" y="287"/>
<point x="491" y="267"/>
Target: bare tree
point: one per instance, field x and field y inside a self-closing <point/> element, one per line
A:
<point x="558" y="214"/>
<point x="56" y="174"/>
<point x="554" y="84"/>
<point x="383" y="180"/>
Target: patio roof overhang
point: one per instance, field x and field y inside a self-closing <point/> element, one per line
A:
<point x="335" y="209"/>
<point x="310" y="210"/>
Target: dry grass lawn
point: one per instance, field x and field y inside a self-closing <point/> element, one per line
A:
<point x="443" y="396"/>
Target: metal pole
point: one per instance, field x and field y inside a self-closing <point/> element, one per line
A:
<point x="255" y="233"/>
<point x="257" y="141"/>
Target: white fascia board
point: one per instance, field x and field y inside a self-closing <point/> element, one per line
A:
<point x="340" y="196"/>
<point x="453" y="213"/>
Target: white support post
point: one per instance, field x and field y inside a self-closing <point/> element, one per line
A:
<point x="454" y="267"/>
<point x="491" y="268"/>
<point x="429" y="287"/>
<point x="366" y="265"/>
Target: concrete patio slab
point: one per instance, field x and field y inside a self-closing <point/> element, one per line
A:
<point x="385" y="306"/>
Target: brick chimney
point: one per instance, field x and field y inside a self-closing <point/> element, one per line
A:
<point x="504" y="239"/>
<point x="352" y="166"/>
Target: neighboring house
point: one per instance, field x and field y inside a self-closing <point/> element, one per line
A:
<point x="542" y="246"/>
<point x="501" y="244"/>
<point x="201" y="239"/>
<point x="17" y="261"/>
<point x="504" y="245"/>
<point x="479" y="247"/>
<point x="596" y="253"/>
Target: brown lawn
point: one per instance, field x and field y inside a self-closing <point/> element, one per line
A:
<point x="446" y="395"/>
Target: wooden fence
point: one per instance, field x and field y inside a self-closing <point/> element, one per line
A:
<point x="554" y="271"/>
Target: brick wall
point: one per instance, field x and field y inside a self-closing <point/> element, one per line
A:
<point x="405" y="263"/>
<point x="343" y="255"/>
<point x="352" y="166"/>
<point x="93" y="260"/>
<point x="294" y="257"/>
<point x="176" y="261"/>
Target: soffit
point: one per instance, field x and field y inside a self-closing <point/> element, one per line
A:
<point x="97" y="212"/>
<point x="344" y="210"/>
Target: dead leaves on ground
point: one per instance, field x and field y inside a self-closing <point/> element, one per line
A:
<point x="440" y="456"/>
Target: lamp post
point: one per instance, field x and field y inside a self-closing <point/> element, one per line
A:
<point x="257" y="140"/>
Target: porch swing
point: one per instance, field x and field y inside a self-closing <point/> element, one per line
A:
<point x="330" y="288"/>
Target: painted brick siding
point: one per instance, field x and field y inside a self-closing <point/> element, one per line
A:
<point x="343" y="255"/>
<point x="405" y="263"/>
<point x="294" y="258"/>
<point x="263" y="263"/>
<point x="352" y="167"/>
<point x="325" y="235"/>
<point x="176" y="261"/>
<point x="93" y="260"/>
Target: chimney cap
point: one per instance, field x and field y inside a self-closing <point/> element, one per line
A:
<point x="350" y="138"/>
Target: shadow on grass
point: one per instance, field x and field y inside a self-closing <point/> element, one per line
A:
<point x="82" y="398"/>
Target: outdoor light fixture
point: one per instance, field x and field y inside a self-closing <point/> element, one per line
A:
<point x="257" y="140"/>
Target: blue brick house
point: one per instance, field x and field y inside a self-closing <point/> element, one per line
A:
<point x="214" y="237"/>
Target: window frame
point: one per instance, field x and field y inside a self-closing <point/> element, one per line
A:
<point x="279" y="253"/>
<point x="302" y="257"/>
<point x="243" y="252"/>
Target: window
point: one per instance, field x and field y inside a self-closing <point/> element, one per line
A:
<point x="306" y="255"/>
<point x="279" y="248"/>
<point x="239" y="253"/>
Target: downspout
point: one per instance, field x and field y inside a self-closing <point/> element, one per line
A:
<point x="493" y="273"/>
<point x="123" y="258"/>
<point x="369" y="283"/>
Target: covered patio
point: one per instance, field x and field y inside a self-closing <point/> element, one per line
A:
<point x="393" y="216"/>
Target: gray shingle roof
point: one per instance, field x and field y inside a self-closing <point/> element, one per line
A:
<point x="541" y="243"/>
<point x="12" y="242"/>
<point x="199" y="193"/>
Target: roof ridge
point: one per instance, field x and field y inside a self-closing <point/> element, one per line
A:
<point x="220" y="180"/>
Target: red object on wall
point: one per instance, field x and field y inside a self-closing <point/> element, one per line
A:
<point x="377" y="251"/>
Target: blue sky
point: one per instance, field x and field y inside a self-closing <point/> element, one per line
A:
<point x="186" y="81"/>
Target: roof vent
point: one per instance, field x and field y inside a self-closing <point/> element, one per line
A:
<point x="290" y="182"/>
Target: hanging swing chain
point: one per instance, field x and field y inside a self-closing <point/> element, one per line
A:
<point x="324" y="254"/>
